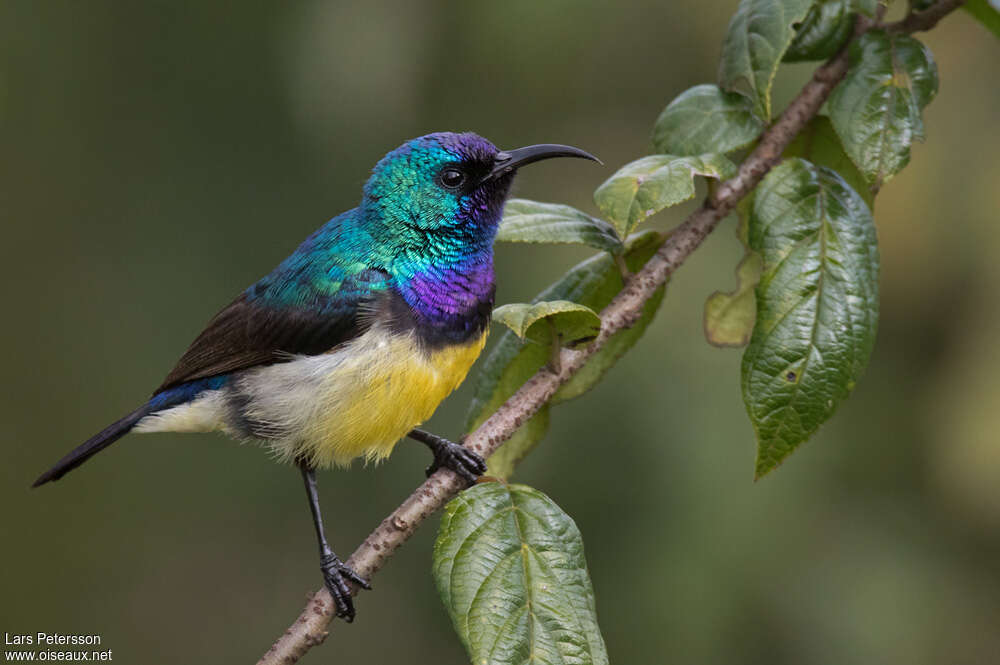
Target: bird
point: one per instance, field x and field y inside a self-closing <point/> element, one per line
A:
<point x="353" y="340"/>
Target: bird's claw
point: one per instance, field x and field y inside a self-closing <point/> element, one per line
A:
<point x="336" y="575"/>
<point x="466" y="463"/>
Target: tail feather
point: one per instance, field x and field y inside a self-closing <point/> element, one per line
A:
<point x="164" y="399"/>
<point x="94" y="445"/>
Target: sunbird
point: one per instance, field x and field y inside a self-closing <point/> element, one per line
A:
<point x="355" y="338"/>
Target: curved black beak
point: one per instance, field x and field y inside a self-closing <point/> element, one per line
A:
<point x="506" y="161"/>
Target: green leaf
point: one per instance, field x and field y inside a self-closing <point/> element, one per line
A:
<point x="876" y="108"/>
<point x="729" y="317"/>
<point x="511" y="362"/>
<point x="758" y="36"/>
<point x="641" y="248"/>
<point x="866" y="7"/>
<point x="538" y="321"/>
<point x="504" y="369"/>
<point x="510" y="568"/>
<point x="705" y="119"/>
<point x="817" y="304"/>
<point x="818" y="143"/>
<point x="531" y="221"/>
<point x="823" y="31"/>
<point x="987" y="13"/>
<point x="590" y="374"/>
<point x="648" y="185"/>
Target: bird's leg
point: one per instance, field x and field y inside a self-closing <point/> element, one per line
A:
<point x="335" y="572"/>
<point x="450" y="455"/>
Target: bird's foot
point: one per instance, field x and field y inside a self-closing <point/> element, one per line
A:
<point x="336" y="575"/>
<point x="450" y="455"/>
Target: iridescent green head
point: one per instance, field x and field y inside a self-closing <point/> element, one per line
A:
<point x="449" y="184"/>
<point x="434" y="205"/>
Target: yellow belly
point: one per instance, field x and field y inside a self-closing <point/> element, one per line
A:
<point x="383" y="388"/>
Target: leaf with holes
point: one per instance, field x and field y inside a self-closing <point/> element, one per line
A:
<point x="729" y="317"/>
<point x="822" y="32"/>
<point x="817" y="304"/>
<point x="758" y="36"/>
<point x="539" y="321"/>
<point x="876" y="108"/>
<point x="531" y="221"/>
<point x="511" y="362"/>
<point x="510" y="568"/>
<point x="705" y="119"/>
<point x="648" y="185"/>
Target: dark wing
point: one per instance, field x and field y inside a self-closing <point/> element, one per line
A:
<point x="254" y="330"/>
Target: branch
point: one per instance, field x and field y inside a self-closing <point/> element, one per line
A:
<point x="926" y="19"/>
<point x="624" y="311"/>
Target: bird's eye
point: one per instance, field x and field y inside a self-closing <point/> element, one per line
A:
<point x="452" y="178"/>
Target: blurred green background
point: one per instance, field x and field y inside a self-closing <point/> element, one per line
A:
<point x="158" y="157"/>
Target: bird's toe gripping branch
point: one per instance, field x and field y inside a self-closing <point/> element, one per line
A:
<point x="336" y="575"/>
<point x="450" y="455"/>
